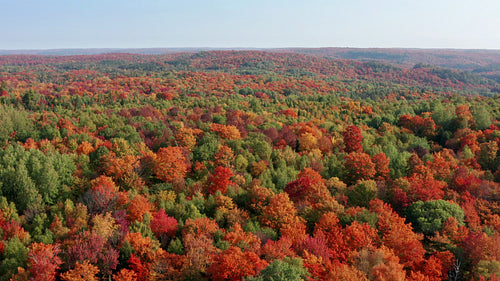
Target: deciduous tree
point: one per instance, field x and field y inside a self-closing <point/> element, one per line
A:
<point x="43" y="261"/>
<point x="170" y="164"/>
<point x="220" y="180"/>
<point x="233" y="264"/>
<point x="352" y="139"/>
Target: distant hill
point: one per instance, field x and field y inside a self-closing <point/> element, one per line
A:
<point x="376" y="76"/>
<point x="483" y="62"/>
<point x="451" y="58"/>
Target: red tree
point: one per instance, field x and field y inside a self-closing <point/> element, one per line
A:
<point x="43" y="261"/>
<point x="359" y="166"/>
<point x="352" y="139"/>
<point x="220" y="180"/>
<point x="397" y="235"/>
<point x="163" y="226"/>
<point x="381" y="162"/>
<point x="103" y="194"/>
<point x="233" y="264"/>
<point x="310" y="187"/>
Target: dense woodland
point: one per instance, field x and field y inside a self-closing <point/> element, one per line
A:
<point x="482" y="62"/>
<point x="246" y="165"/>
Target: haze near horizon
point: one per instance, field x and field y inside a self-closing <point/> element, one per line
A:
<point x="57" y="24"/>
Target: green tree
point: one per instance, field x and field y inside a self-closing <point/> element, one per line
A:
<point x="31" y="99"/>
<point x="482" y="117"/>
<point x="486" y="268"/>
<point x="259" y="146"/>
<point x="49" y="132"/>
<point x="442" y="116"/>
<point x="16" y="123"/>
<point x="282" y="270"/>
<point x="362" y="193"/>
<point x="428" y="217"/>
<point x="41" y="178"/>
<point x="397" y="162"/>
<point x="207" y="148"/>
<point x="14" y="256"/>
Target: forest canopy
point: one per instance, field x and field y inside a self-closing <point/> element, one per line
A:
<point x="246" y="165"/>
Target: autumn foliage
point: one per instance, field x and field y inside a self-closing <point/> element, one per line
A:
<point x="352" y="139"/>
<point x="170" y="164"/>
<point x="220" y="180"/>
<point x="248" y="165"/>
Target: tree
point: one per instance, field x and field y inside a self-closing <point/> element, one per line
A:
<point x="143" y="247"/>
<point x="279" y="212"/>
<point x="359" y="166"/>
<point x="487" y="270"/>
<point x="219" y="180"/>
<point x="199" y="253"/>
<point x="464" y="116"/>
<point x="163" y="226"/>
<point x="91" y="247"/>
<point x="40" y="177"/>
<point x="424" y="188"/>
<point x="138" y="207"/>
<point x="258" y="168"/>
<point x="14" y="256"/>
<point x="307" y="142"/>
<point x="429" y="216"/>
<point x="420" y="126"/>
<point x="43" y="261"/>
<point x="359" y="236"/>
<point x="139" y="268"/>
<point x="283" y="270"/>
<point x="229" y="132"/>
<point x="482" y="117"/>
<point x="84" y="271"/>
<point x="488" y="155"/>
<point x="329" y="230"/>
<point x="380" y="264"/>
<point x="362" y="193"/>
<point x="397" y="235"/>
<point x="277" y="250"/>
<point x="102" y="195"/>
<point x="344" y="272"/>
<point x="310" y="188"/>
<point x="170" y="164"/>
<point x="352" y="139"/>
<point x="104" y="225"/>
<point x="381" y="162"/>
<point x="207" y="147"/>
<point x="125" y="275"/>
<point x="224" y="157"/>
<point x="233" y="264"/>
<point x="315" y="246"/>
<point x="187" y="137"/>
<point x="15" y="124"/>
<point x="247" y="241"/>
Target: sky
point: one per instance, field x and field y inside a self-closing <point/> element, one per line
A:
<point x="58" y="24"/>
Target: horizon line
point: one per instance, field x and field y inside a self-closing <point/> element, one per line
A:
<point x="238" y="48"/>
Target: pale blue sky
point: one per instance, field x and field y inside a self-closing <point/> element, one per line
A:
<point x="47" y="24"/>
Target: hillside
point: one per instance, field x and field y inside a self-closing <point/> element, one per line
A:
<point x="246" y="165"/>
<point x="375" y="76"/>
<point x="481" y="62"/>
